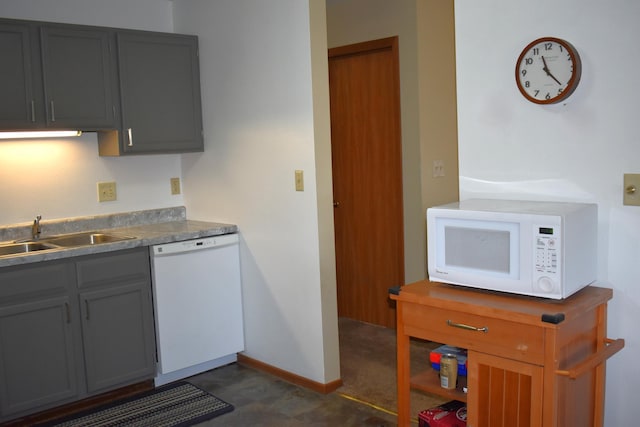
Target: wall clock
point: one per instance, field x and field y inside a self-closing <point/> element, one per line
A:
<point x="548" y="70"/>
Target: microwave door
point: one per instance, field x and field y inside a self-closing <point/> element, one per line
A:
<point x="485" y="248"/>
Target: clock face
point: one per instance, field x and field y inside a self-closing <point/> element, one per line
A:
<point x="548" y="70"/>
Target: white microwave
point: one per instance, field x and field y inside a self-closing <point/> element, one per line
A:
<point x="543" y="249"/>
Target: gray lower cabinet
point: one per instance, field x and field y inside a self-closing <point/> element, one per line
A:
<point x="56" y="76"/>
<point x="38" y="346"/>
<point x="117" y="318"/>
<point x="160" y="95"/>
<point x="72" y="329"/>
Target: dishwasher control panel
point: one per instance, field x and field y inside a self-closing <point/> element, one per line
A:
<point x="195" y="244"/>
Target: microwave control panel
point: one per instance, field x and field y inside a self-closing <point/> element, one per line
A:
<point x="547" y="253"/>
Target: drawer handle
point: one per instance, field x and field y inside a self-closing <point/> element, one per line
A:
<point x="467" y="327"/>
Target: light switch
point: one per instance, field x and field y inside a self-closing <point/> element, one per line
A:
<point x="299" y="180"/>
<point x="631" y="189"/>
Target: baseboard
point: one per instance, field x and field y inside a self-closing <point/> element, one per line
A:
<point x="290" y="377"/>
<point x="162" y="379"/>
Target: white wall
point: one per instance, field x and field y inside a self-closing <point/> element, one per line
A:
<point x="577" y="151"/>
<point x="57" y="179"/>
<point x="150" y="15"/>
<point x="256" y="67"/>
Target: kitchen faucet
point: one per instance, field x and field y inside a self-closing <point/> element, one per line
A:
<point x="35" y="228"/>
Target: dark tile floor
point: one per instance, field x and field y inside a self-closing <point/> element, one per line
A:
<point x="261" y="399"/>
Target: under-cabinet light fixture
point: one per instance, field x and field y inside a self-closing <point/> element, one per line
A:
<point x="40" y="134"/>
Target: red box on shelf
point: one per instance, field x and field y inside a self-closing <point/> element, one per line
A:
<point x="460" y="353"/>
<point x="450" y="414"/>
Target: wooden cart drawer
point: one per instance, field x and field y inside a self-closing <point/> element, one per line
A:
<point x="480" y="333"/>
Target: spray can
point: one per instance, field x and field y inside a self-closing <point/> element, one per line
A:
<point x="448" y="371"/>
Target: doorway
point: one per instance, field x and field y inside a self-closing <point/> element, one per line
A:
<point x="366" y="148"/>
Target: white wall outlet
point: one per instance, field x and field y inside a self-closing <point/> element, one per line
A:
<point x="175" y="186"/>
<point x="107" y="192"/>
<point x="438" y="168"/>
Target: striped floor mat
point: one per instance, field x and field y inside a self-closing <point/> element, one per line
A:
<point x="177" y="404"/>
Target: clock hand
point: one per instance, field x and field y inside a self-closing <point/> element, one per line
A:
<point x="546" y="70"/>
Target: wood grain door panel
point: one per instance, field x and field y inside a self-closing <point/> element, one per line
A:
<point x="507" y="393"/>
<point x="367" y="178"/>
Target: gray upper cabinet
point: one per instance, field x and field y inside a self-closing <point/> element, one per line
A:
<point x="18" y="91"/>
<point x="77" y="70"/>
<point x="139" y="90"/>
<point x="56" y="76"/>
<point x="160" y="95"/>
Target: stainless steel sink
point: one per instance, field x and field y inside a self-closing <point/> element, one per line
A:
<point x="23" y="248"/>
<point x="64" y="241"/>
<point x="86" y="239"/>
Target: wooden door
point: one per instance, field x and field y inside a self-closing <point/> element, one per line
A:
<point x="367" y="178"/>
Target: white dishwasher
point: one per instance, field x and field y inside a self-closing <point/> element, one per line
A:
<point x="198" y="305"/>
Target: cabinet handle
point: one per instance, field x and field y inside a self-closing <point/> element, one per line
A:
<point x="53" y="112"/>
<point x="611" y="347"/>
<point x="33" y="110"/>
<point x="130" y="144"/>
<point x="467" y="327"/>
<point x="68" y="310"/>
<point x="86" y="305"/>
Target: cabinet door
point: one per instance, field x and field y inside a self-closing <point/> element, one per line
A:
<point x="160" y="93"/>
<point x="78" y="72"/>
<point x="116" y="331"/>
<point x="37" y="366"/>
<point x="503" y="392"/>
<point x="17" y="92"/>
<point x="117" y="318"/>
